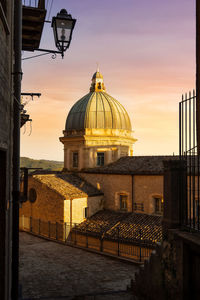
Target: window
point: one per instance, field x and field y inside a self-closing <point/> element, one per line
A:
<point x="123" y="202"/>
<point x="75" y="159"/>
<point x="85" y="212"/>
<point x="100" y="159"/>
<point x="158" y="205"/>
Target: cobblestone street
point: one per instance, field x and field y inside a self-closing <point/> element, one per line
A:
<point x="51" y="270"/>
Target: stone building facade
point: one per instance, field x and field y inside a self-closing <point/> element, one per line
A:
<point x="6" y="144"/>
<point x="131" y="184"/>
<point x="98" y="130"/>
<point x="61" y="198"/>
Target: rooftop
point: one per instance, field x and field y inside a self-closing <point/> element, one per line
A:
<point x="138" y="165"/>
<point x="130" y="227"/>
<point x="69" y="186"/>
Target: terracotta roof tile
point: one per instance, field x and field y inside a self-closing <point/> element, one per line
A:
<point x="129" y="227"/>
<point x="69" y="186"/>
<point x="134" y="165"/>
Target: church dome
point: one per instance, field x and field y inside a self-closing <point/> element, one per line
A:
<point x="97" y="110"/>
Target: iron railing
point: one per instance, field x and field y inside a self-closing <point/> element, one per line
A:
<point x="72" y="235"/>
<point x="190" y="210"/>
<point x="138" y="206"/>
<point x="34" y="3"/>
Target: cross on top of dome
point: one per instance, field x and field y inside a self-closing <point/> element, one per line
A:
<point x="97" y="82"/>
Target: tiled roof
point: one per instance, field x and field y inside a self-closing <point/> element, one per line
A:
<point x="69" y="186"/>
<point x="129" y="227"/>
<point x="134" y="165"/>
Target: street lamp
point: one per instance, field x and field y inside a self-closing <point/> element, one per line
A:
<point x="63" y="26"/>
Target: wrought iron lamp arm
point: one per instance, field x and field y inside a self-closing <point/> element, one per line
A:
<point x="51" y="51"/>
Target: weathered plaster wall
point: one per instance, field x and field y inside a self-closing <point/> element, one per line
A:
<point x="112" y="185"/>
<point x="146" y="187"/>
<point x="77" y="206"/>
<point x="95" y="204"/>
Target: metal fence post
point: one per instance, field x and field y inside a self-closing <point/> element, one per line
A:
<point x="49" y="229"/>
<point x="140" y="245"/>
<point x="75" y="234"/>
<point x="56" y="231"/>
<point x="31" y="225"/>
<point x="101" y="239"/>
<point x="118" y="250"/>
<point x="65" y="232"/>
<point x="86" y="235"/>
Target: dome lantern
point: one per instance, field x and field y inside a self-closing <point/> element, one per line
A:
<point x="97" y="82"/>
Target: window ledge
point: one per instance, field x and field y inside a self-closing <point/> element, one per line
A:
<point x="4" y="20"/>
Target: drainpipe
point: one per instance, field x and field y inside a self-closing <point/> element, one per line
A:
<point x="132" y="192"/>
<point x="16" y="146"/>
<point x="198" y="73"/>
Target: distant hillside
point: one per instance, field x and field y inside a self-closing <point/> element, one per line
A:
<point x="41" y="163"/>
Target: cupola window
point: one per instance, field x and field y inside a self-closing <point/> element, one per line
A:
<point x="100" y="158"/>
<point x="75" y="160"/>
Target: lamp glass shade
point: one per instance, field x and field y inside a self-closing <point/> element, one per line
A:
<point x="63" y="26"/>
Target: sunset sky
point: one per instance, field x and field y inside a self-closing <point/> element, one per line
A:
<point x="146" y="52"/>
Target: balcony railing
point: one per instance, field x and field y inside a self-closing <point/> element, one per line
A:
<point x="34" y="3"/>
<point x="138" y="206"/>
<point x="34" y="14"/>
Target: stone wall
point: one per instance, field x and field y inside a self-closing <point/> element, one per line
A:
<point x="49" y="205"/>
<point x="74" y="209"/>
<point x="146" y="187"/>
<point x="143" y="187"/>
<point x="111" y="185"/>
